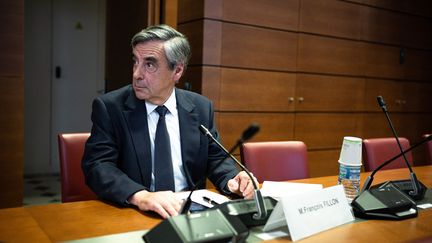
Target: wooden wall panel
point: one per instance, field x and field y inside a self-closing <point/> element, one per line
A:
<point x="328" y="55"/>
<point x="388" y="89"/>
<point x="11" y="39"/>
<point x="329" y="93"/>
<point x="273" y="50"/>
<point x="273" y="126"/>
<point x="334" y="18"/>
<point x="323" y="162"/>
<point x="123" y="21"/>
<point x="417" y="97"/>
<point x="382" y="61"/>
<point x="333" y="57"/>
<point x="243" y="90"/>
<point x="195" y="35"/>
<point x="279" y="14"/>
<point x="11" y="102"/>
<point x="419" y="7"/>
<point x="326" y="130"/>
<point x="375" y="126"/>
<point x="383" y="26"/>
<point x="418" y="65"/>
<point x="399" y="96"/>
<point x="205" y="38"/>
<point x="190" y="10"/>
<point x="414" y="34"/>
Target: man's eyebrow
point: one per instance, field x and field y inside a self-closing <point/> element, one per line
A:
<point x="151" y="59"/>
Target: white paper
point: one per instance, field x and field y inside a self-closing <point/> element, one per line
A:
<point x="199" y="195"/>
<point x="425" y="206"/>
<point x="272" y="235"/>
<point x="277" y="189"/>
<point x="311" y="212"/>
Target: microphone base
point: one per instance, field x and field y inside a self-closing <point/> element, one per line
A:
<point x="207" y="226"/>
<point x="406" y="187"/>
<point x="244" y="209"/>
<point x="384" y="202"/>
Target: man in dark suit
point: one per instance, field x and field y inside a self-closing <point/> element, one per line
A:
<point x="123" y="161"/>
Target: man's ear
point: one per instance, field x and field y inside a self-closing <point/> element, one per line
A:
<point x="178" y="72"/>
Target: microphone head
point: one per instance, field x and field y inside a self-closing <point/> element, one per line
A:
<point x="381" y="102"/>
<point x="250" y="132"/>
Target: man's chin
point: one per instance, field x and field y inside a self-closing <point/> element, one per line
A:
<point x="140" y="93"/>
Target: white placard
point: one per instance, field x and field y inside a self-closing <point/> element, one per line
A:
<point x="312" y="212"/>
<point x="279" y="189"/>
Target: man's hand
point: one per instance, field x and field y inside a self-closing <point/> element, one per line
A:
<point x="242" y="185"/>
<point x="165" y="203"/>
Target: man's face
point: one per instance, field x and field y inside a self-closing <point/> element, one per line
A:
<point x="152" y="79"/>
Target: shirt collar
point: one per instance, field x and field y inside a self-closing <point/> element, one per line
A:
<point x="170" y="104"/>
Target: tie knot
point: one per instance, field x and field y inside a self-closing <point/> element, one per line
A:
<point x="162" y="110"/>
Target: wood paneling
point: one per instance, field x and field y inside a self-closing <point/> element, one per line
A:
<point x="273" y="50"/>
<point x="383" y="26"/>
<point x="329" y="93"/>
<point x="318" y="54"/>
<point x="273" y="126"/>
<point x="388" y="89"/>
<point x="278" y="96"/>
<point x="326" y="130"/>
<point x="279" y="14"/>
<point x="323" y="162"/>
<point x="123" y="21"/>
<point x="399" y="96"/>
<point x="382" y="61"/>
<point x="330" y="58"/>
<point x="11" y="101"/>
<point x="333" y="18"/>
<point x="417" y="97"/>
<point x="418" y="65"/>
<point x="190" y="10"/>
<point x="420" y="7"/>
<point x="12" y="38"/>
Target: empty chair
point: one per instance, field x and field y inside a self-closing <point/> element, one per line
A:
<point x="428" y="150"/>
<point x="71" y="150"/>
<point x="276" y="161"/>
<point x="378" y="150"/>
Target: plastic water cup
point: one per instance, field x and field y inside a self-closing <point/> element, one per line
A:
<point x="350" y="166"/>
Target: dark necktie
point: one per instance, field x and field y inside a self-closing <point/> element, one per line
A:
<point x="163" y="168"/>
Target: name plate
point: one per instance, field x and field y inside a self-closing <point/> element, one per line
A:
<point x="312" y="212"/>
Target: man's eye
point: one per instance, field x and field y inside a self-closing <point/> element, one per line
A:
<point x="150" y="64"/>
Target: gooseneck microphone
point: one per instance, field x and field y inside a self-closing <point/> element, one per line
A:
<point x="417" y="192"/>
<point x="261" y="209"/>
<point x="246" y="135"/>
<point x="391" y="199"/>
<point x="370" y="178"/>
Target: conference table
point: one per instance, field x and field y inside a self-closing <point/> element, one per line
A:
<point x="95" y="218"/>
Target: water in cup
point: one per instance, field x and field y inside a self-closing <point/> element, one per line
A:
<point x="350" y="166"/>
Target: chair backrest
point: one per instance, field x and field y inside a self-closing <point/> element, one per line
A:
<point x="378" y="150"/>
<point x="71" y="150"/>
<point x="428" y="150"/>
<point x="276" y="161"/>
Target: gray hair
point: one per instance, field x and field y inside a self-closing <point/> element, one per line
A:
<point x="176" y="45"/>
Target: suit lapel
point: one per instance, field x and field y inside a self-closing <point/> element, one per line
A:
<point x="136" y="117"/>
<point x="189" y="132"/>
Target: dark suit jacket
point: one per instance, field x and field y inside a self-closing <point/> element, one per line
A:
<point x="117" y="157"/>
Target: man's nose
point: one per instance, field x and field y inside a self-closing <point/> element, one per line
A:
<point x="138" y="72"/>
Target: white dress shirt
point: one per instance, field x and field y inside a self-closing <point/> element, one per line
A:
<point x="173" y="127"/>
